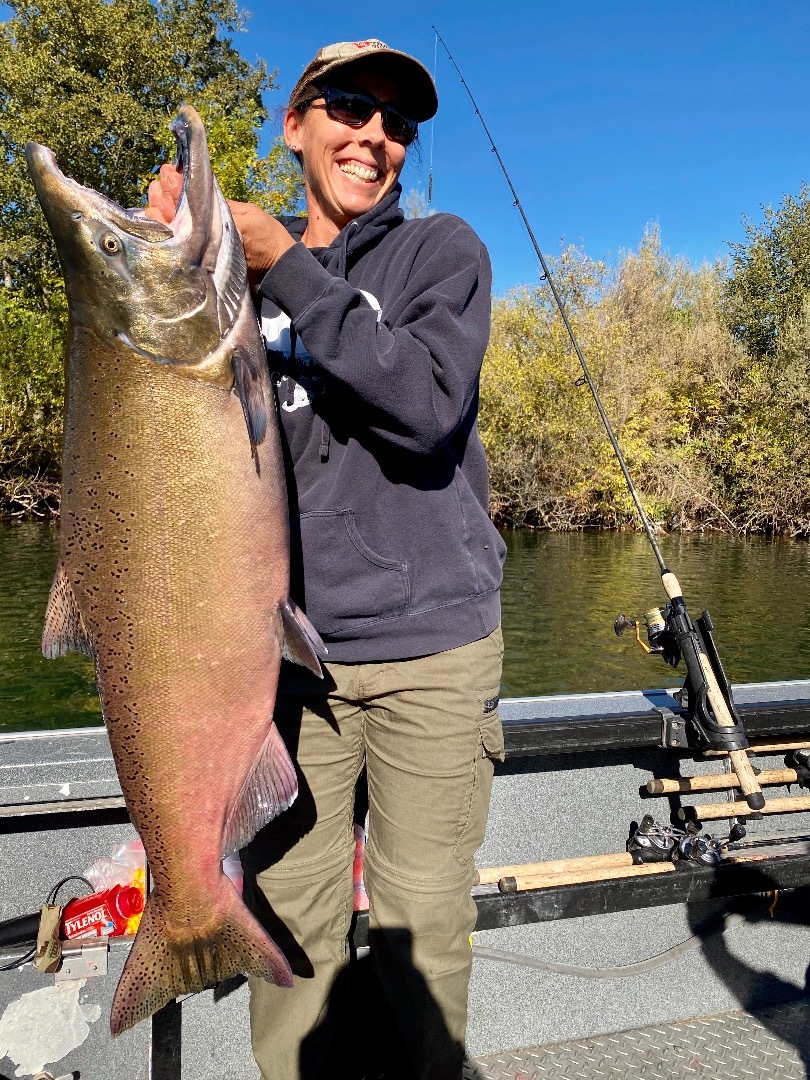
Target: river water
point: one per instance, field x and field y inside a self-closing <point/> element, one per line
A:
<point x="561" y="595"/>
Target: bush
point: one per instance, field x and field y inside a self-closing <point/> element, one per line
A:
<point x="712" y="438"/>
<point x="32" y="388"/>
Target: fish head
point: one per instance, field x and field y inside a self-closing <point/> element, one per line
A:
<point x="169" y="292"/>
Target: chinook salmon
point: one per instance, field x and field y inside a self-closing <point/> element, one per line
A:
<point x="173" y="565"/>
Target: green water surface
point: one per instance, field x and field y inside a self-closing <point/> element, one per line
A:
<point x="561" y="595"/>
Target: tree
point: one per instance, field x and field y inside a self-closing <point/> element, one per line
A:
<point x="415" y="205"/>
<point x="770" y="275"/>
<point x="98" y="81"/>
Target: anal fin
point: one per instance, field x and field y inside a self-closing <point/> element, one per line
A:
<point x="302" y="642"/>
<point x="64" y="629"/>
<point x="270" y="787"/>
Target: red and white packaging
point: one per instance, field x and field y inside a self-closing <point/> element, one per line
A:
<point x="101" y="914"/>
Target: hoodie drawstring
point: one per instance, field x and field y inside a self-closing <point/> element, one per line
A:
<point x="291" y="377"/>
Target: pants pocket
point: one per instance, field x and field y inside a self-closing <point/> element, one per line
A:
<point x="491" y="730"/>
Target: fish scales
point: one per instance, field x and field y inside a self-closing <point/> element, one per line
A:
<point x="172" y="581"/>
<point x="174" y="564"/>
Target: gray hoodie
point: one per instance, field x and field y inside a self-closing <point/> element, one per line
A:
<point x="376" y="343"/>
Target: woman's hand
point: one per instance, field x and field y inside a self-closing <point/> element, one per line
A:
<point x="164" y="194"/>
<point x="265" y="239"/>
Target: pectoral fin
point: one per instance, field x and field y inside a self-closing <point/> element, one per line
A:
<point x="64" y="630"/>
<point x="302" y="642"/>
<point x="248" y="386"/>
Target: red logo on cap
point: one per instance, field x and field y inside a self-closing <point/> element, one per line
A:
<point x="372" y="44"/>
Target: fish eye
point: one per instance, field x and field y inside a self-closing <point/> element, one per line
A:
<point x="110" y="244"/>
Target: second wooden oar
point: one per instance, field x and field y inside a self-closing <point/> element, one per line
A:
<point x="721" y="810"/>
<point x="490" y="875"/>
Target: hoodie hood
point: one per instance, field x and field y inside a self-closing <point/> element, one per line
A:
<point x="354" y="238"/>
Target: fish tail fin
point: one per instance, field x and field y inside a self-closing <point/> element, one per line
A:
<point x="162" y="966"/>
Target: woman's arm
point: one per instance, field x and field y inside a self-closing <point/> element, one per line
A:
<point x="413" y="374"/>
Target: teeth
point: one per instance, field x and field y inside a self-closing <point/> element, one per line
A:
<point x="362" y="172"/>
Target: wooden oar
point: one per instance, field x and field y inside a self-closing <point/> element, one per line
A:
<point x="763" y="746"/>
<point x="520" y="882"/>
<point x="490" y="875"/>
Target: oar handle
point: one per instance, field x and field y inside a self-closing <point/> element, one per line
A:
<point x="490" y="875"/>
<point x="717" y="782"/>
<point x="793" y="804"/>
<point x="522" y="882"/>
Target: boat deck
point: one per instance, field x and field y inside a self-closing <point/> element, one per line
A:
<point x="572" y="785"/>
<point x="733" y="1045"/>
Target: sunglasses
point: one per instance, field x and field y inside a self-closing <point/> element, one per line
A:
<point x="355" y="108"/>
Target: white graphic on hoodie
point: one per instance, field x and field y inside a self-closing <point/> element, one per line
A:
<point x="294" y="393"/>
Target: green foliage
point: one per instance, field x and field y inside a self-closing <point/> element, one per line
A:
<point x="712" y="439"/>
<point x="31" y="398"/>
<point x="770" y="274"/>
<point x="98" y="81"/>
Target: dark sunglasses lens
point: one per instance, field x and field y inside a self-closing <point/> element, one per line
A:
<point x="356" y="109"/>
<point x="352" y="109"/>
<point x="398" y="127"/>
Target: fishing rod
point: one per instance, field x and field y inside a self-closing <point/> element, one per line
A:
<point x="671" y="633"/>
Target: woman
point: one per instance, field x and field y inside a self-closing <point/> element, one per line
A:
<point x="376" y="329"/>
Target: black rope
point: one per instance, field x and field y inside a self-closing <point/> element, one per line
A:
<point x="20" y="961"/>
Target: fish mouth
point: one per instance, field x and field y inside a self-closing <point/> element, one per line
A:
<point x="57" y="192"/>
<point x="200" y="244"/>
<point x="193" y="217"/>
<point x="194" y="213"/>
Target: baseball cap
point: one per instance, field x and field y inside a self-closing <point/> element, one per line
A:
<point x="418" y="98"/>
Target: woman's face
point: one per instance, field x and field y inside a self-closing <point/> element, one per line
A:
<point x="347" y="170"/>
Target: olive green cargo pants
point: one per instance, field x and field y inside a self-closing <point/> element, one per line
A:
<point x="428" y="731"/>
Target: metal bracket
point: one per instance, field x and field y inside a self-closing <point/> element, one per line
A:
<point x="673" y="729"/>
<point x="88" y="961"/>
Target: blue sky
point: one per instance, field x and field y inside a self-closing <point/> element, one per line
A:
<point x="608" y="116"/>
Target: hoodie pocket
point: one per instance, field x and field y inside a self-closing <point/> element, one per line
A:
<point x="345" y="582"/>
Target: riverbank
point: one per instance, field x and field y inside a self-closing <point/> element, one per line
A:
<point x="35" y="499"/>
<point x="716" y="437"/>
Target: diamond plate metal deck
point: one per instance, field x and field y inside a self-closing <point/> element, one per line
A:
<point x="730" y="1046"/>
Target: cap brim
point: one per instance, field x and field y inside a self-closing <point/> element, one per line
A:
<point x="417" y="93"/>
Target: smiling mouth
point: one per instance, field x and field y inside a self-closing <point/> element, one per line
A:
<point x="364" y="173"/>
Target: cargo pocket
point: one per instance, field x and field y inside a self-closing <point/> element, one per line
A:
<point x="489" y="749"/>
<point x="488" y="669"/>
<point x="492" y="730"/>
<point x="355" y="585"/>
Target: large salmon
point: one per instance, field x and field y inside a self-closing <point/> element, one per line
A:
<point x="173" y="568"/>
